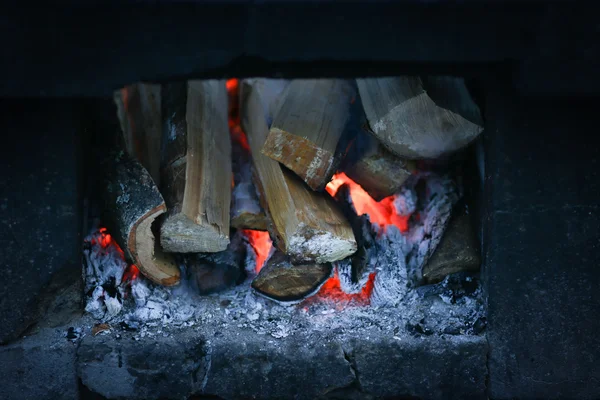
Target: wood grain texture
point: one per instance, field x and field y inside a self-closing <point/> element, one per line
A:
<point x="132" y="203"/>
<point x="304" y="224"/>
<point x="406" y="120"/>
<point x="308" y="126"/>
<point x="283" y="281"/>
<point x="196" y="167"/>
<point x="375" y="168"/>
<point x="139" y="112"/>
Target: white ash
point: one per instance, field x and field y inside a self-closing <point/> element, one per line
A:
<point x="324" y="246"/>
<point x="390" y="285"/>
<point x="103" y="270"/>
<point x="344" y="270"/>
<point x="396" y="308"/>
<point x="405" y="201"/>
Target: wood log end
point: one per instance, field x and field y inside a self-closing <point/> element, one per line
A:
<point x="283" y="281"/>
<point x="247" y="220"/>
<point x="157" y="266"/>
<point x="312" y="164"/>
<point x="432" y="132"/>
<point x="308" y="245"/>
<point x="179" y="234"/>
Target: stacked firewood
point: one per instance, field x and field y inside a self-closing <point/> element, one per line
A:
<point x="181" y="185"/>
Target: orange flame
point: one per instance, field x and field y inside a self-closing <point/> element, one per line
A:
<point x="262" y="245"/>
<point x="131" y="273"/>
<point x="106" y="241"/>
<point x="332" y="291"/>
<point x="380" y="212"/>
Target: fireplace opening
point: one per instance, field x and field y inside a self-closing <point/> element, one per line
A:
<point x="282" y="206"/>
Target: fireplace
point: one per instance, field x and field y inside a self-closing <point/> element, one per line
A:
<point x="79" y="319"/>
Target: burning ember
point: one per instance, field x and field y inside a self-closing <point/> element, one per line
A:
<point x="382" y="212"/>
<point x="262" y="245"/>
<point x="332" y="291"/>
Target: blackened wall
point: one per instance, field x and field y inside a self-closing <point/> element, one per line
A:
<point x="542" y="246"/>
<point x="40" y="205"/>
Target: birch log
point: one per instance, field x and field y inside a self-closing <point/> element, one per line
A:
<point x="132" y="203"/>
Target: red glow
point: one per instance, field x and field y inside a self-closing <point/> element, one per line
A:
<point x="238" y="136"/>
<point x="332" y="291"/>
<point x="131" y="273"/>
<point x="232" y="85"/>
<point x="106" y="241"/>
<point x="380" y="212"/>
<point x="262" y="245"/>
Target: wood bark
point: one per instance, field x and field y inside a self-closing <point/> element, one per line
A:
<point x="457" y="251"/>
<point x="307" y="127"/>
<point x="139" y="111"/>
<point x="283" y="281"/>
<point x="304" y="224"/>
<point x="196" y="167"/>
<point x="405" y="119"/>
<point x="379" y="172"/>
<point x="132" y="203"/>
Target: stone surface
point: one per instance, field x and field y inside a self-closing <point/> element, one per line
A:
<point x="261" y="367"/>
<point x="40" y="205"/>
<point x="39" y="367"/>
<point x="542" y="246"/>
<point x="425" y="367"/>
<point x="148" y="368"/>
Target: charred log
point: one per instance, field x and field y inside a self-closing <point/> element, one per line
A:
<point x="283" y="281"/>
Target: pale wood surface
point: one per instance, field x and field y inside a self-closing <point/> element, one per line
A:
<point x="410" y="124"/>
<point x="376" y="169"/>
<point x="139" y="111"/>
<point x="197" y="168"/>
<point x="304" y="224"/>
<point x="308" y="126"/>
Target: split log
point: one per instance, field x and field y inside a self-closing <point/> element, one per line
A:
<point x="283" y="281"/>
<point x="132" y="203"/>
<point x="215" y="272"/>
<point x="457" y="251"/>
<point x="246" y="211"/>
<point x="411" y="124"/>
<point x="139" y="109"/>
<point x="196" y="167"/>
<point x="304" y="224"/>
<point x="270" y="92"/>
<point x="307" y="127"/>
<point x="374" y="168"/>
<point x="361" y="263"/>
